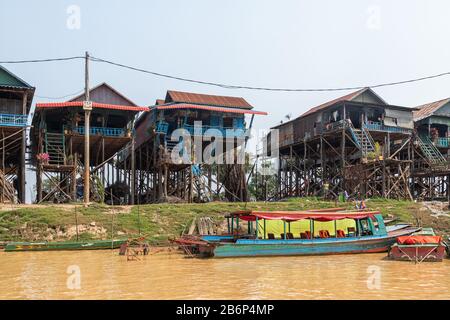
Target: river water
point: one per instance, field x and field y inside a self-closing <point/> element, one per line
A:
<point x="168" y="275"/>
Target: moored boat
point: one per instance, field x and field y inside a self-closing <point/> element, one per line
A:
<point x="68" y="245"/>
<point x="316" y="233"/>
<point x="418" y="247"/>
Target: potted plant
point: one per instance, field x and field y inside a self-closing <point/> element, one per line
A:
<point x="43" y="158"/>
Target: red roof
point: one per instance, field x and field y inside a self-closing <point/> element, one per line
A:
<point x="429" y="108"/>
<point x="197" y="98"/>
<point x="52" y="105"/>
<point x="210" y="108"/>
<point x="300" y="215"/>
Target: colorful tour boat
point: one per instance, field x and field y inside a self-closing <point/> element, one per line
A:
<point x="288" y="233"/>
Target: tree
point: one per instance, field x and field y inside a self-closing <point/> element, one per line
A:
<point x="263" y="184"/>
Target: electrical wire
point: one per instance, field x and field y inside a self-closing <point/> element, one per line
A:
<point x="42" y="60"/>
<point x="222" y="85"/>
<point x="228" y="86"/>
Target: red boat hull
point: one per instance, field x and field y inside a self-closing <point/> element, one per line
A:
<point x="417" y="253"/>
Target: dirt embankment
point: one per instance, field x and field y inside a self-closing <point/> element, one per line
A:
<point x="158" y="222"/>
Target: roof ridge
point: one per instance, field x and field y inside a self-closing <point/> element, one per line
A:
<point x="16" y="77"/>
<point x="437" y="101"/>
<point x="109" y="87"/>
<point x="207" y="99"/>
<point x="428" y="109"/>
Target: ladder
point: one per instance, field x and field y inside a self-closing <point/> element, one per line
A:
<point x="430" y="151"/>
<point x="170" y="145"/>
<point x="55" y="147"/>
<point x="200" y="184"/>
<point x="362" y="138"/>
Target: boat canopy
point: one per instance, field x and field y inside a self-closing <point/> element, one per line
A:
<point x="300" y="215"/>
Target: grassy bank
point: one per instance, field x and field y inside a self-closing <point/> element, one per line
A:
<point x="158" y="222"/>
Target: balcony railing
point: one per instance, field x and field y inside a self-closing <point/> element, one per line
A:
<point x="378" y="126"/>
<point x="162" y="127"/>
<point x="442" y="142"/>
<point x="224" y="131"/>
<point x="13" y="120"/>
<point x="103" y="131"/>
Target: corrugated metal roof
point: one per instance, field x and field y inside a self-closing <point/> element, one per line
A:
<point x="52" y="105"/>
<point x="428" y="109"/>
<point x="348" y="97"/>
<point x="10" y="80"/>
<point x="209" y="108"/>
<point x="206" y="99"/>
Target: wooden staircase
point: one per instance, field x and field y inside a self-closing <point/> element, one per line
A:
<point x="363" y="139"/>
<point x="429" y="150"/>
<point x="55" y="147"/>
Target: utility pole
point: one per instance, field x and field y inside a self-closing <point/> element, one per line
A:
<point x="87" y="107"/>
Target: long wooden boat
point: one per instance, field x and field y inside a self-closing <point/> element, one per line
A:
<point x="368" y="235"/>
<point x="54" y="246"/>
<point x="418" y="247"/>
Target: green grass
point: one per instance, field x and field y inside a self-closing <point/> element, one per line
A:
<point x="158" y="222"/>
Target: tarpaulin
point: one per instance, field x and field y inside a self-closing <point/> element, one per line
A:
<point x="419" y="240"/>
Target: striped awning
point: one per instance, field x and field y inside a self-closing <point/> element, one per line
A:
<point x="53" y="105"/>
<point x="206" y="107"/>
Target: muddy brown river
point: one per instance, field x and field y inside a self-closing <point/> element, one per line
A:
<point x="168" y="275"/>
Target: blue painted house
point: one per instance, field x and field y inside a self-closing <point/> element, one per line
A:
<point x="198" y="116"/>
<point x="16" y="97"/>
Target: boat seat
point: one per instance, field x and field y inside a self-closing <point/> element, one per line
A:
<point x="289" y="235"/>
<point x="305" y="235"/>
<point x="270" y="236"/>
<point x="340" y="233"/>
<point x="351" y="231"/>
<point x="324" y="234"/>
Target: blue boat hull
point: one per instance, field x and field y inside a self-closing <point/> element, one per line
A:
<point x="254" y="248"/>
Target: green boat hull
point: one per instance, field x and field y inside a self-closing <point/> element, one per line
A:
<point x="55" y="246"/>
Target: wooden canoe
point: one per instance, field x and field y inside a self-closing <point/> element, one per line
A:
<point x="56" y="246"/>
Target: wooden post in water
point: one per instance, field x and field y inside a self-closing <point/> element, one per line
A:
<point x="112" y="221"/>
<point x="76" y="222"/>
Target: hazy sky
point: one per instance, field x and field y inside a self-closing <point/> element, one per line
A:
<point x="293" y="44"/>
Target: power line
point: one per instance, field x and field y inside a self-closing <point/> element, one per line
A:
<point x="222" y="85"/>
<point x="228" y="86"/>
<point x="41" y="60"/>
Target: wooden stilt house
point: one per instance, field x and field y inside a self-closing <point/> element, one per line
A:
<point x="58" y="139"/>
<point x="16" y="97"/>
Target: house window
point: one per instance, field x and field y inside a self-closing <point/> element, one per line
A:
<point x="228" y="122"/>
